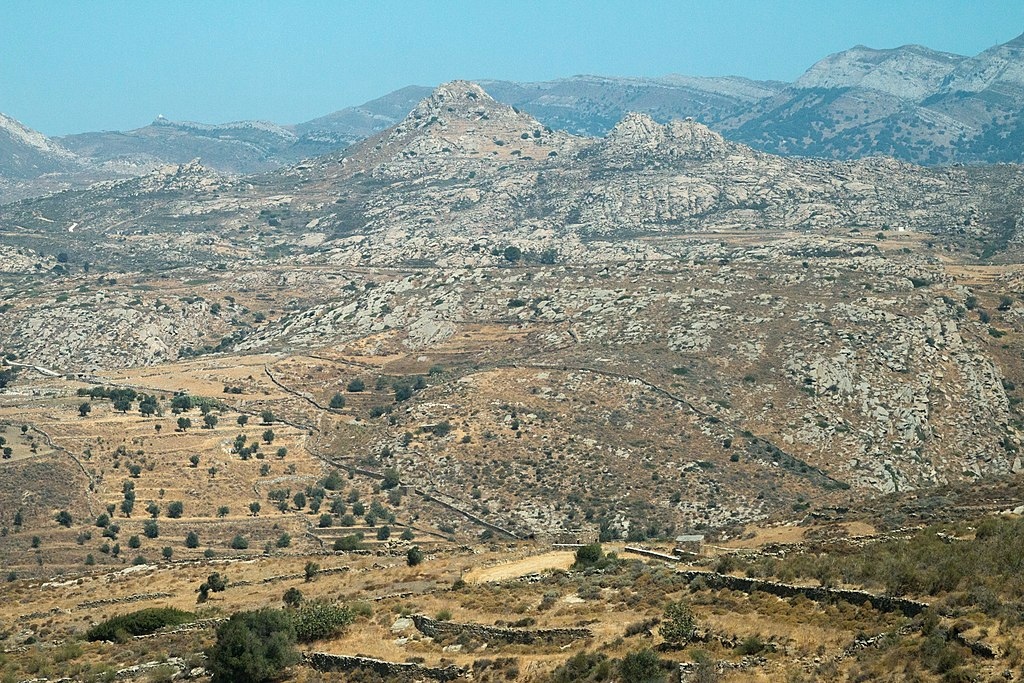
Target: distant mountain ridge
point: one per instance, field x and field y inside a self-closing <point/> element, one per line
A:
<point x="911" y="102"/>
<point x="241" y="147"/>
<point x="592" y="105"/>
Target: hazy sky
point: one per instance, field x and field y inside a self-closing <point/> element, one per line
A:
<point x="71" y="66"/>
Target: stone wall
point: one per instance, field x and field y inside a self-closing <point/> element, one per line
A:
<point x="513" y="636"/>
<point x="289" y="577"/>
<point x="652" y="553"/>
<point x="692" y="671"/>
<point x="323" y="661"/>
<point x="882" y="603"/>
<point x="140" y="597"/>
<point x="468" y="515"/>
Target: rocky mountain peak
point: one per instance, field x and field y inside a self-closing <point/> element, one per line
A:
<point x="458" y="93"/>
<point x="26" y="154"/>
<point x="21" y="134"/>
<point x="457" y="120"/>
<point x="190" y="176"/>
<point x="463" y="101"/>
<point x="692" y="139"/>
<point x="637" y="130"/>
<point x="680" y="138"/>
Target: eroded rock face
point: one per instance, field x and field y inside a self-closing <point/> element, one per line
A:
<point x="103" y="330"/>
<point x="641" y="138"/>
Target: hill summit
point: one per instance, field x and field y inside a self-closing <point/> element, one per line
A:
<point x="458" y="120"/>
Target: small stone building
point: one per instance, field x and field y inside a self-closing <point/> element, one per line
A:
<point x="689" y="543"/>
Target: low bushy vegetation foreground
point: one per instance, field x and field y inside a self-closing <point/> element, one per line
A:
<point x="645" y="619"/>
<point x="258" y="646"/>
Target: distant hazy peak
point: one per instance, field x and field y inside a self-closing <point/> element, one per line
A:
<point x="732" y="86"/>
<point x="265" y="126"/>
<point x="20" y="133"/>
<point x="1017" y="42"/>
<point x="910" y="72"/>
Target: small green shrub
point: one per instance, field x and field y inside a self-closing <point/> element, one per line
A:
<point x="350" y="542"/>
<point x="641" y="667"/>
<point x="589" y="556"/>
<point x="585" y="666"/>
<point x="317" y="620"/>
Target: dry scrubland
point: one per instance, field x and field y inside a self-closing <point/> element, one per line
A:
<point x="472" y="337"/>
<point x="751" y="636"/>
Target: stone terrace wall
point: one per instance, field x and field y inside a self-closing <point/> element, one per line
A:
<point x="323" y="661"/>
<point x="140" y="597"/>
<point x="513" y="636"/>
<point x="882" y="603"/>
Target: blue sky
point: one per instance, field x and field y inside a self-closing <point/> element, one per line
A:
<point x="71" y="66"/>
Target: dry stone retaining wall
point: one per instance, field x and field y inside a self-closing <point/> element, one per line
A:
<point x="513" y="636"/>
<point x="323" y="661"/>
<point x="882" y="603"/>
<point x="140" y="597"/>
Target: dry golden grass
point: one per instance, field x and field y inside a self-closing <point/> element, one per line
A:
<point x="523" y="567"/>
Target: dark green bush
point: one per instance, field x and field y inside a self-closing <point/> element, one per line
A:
<point x="252" y="646"/>
<point x="350" y="542"/>
<point x="589" y="556"/>
<point x="641" y="667"/>
<point x="584" y="667"/>
<point x="142" y="622"/>
<point x="680" y="624"/>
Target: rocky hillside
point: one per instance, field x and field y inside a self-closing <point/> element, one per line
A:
<point x="463" y="175"/>
<point x="660" y="304"/>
